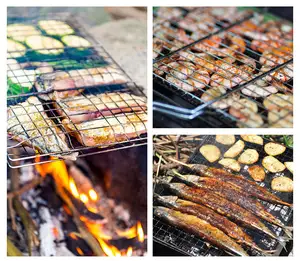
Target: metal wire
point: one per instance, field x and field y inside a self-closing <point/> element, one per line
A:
<point x="164" y="69"/>
<point x="188" y="244"/>
<point x="105" y="101"/>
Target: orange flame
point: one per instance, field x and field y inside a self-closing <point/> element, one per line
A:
<point x="84" y="198"/>
<point x="93" y="195"/>
<point x="129" y="251"/>
<point x="109" y="250"/>
<point x="129" y="233"/>
<point x="79" y="251"/>
<point x="73" y="188"/>
<point x="140" y="232"/>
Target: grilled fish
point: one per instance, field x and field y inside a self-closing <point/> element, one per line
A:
<point x="228" y="227"/>
<point x="86" y="107"/>
<point x="200" y="228"/>
<point x="107" y="130"/>
<point x="234" y="194"/>
<point x="30" y="125"/>
<point x="63" y="84"/>
<point x="246" y="185"/>
<point x="221" y="205"/>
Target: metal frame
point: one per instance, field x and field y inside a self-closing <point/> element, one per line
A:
<point x="88" y="94"/>
<point x="184" y="53"/>
<point x="188" y="244"/>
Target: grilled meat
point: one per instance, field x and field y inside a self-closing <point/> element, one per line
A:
<point x="86" y="107"/>
<point x="200" y="228"/>
<point x="233" y="194"/>
<point x="221" y="205"/>
<point x="228" y="227"/>
<point x="239" y="181"/>
<point x="108" y="130"/>
<point x="30" y="125"/>
<point x="63" y="84"/>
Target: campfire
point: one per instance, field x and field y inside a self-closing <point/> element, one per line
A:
<point x="72" y="214"/>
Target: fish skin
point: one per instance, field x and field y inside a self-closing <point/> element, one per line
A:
<point x="221" y="205"/>
<point x="236" y="195"/>
<point x="200" y="228"/>
<point x="228" y="227"/>
<point x="247" y="185"/>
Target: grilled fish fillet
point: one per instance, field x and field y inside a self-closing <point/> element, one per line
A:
<point x="107" y="130"/>
<point x="29" y="124"/>
<point x="86" y="107"/>
<point x="62" y="83"/>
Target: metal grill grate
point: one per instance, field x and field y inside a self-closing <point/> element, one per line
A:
<point x="189" y="244"/>
<point x="218" y="69"/>
<point x="95" y="105"/>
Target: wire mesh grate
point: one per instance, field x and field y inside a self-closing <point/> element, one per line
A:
<point x="66" y="96"/>
<point x="189" y="244"/>
<point x="223" y="69"/>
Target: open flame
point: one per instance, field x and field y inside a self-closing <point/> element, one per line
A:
<point x="59" y="172"/>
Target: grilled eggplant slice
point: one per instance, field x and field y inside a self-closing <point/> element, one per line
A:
<point x="249" y="156"/>
<point x="15" y="49"/>
<point x="55" y="27"/>
<point x="272" y="164"/>
<point x="210" y="152"/>
<point x="225" y="139"/>
<point x="235" y="150"/>
<point x="282" y="184"/>
<point x="44" y="45"/>
<point x="75" y="41"/>
<point x="30" y="125"/>
<point x="86" y="107"/>
<point x="102" y="132"/>
<point x="274" y="149"/>
<point x="20" y="32"/>
<point x="230" y="164"/>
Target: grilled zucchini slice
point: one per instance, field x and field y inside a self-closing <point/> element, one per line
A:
<point x="272" y="164"/>
<point x="235" y="150"/>
<point x="257" y="173"/>
<point x="289" y="166"/>
<point x="282" y="184"/>
<point x="249" y="156"/>
<point x="225" y="139"/>
<point x="75" y="41"/>
<point x="20" y="32"/>
<point x="210" y="152"/>
<point x="253" y="139"/>
<point x="230" y="164"/>
<point x="45" y="45"/>
<point x="15" y="49"/>
<point x="55" y="27"/>
<point x="274" y="149"/>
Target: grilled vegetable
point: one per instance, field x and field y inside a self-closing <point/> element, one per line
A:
<point x="20" y="32"/>
<point x="282" y="184"/>
<point x="279" y="101"/>
<point x="219" y="204"/>
<point x="233" y="194"/>
<point x="210" y="152"/>
<point x="249" y="156"/>
<point x="289" y="166"/>
<point x="29" y="124"/>
<point x="253" y="139"/>
<point x="230" y="164"/>
<point x="272" y="164"/>
<point x="75" y="41"/>
<point x="44" y="45"/>
<point x="246" y="185"/>
<point x="274" y="149"/>
<point x="54" y="27"/>
<point x="235" y="150"/>
<point x="228" y="227"/>
<point x="225" y="139"/>
<point x="15" y="49"/>
<point x="257" y="173"/>
<point x="281" y="118"/>
<point x="200" y="228"/>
